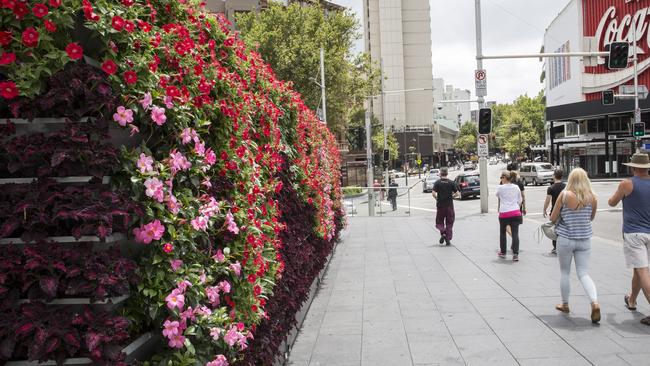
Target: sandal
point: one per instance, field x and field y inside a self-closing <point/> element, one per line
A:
<point x="627" y="303"/>
<point x="563" y="308"/>
<point x="646" y="320"/>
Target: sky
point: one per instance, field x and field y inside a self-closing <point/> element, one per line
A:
<point x="509" y="27"/>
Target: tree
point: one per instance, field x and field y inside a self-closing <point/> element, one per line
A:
<point x="466" y="140"/>
<point x="519" y="124"/>
<point x="289" y="38"/>
<point x="378" y="143"/>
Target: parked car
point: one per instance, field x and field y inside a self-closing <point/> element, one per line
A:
<point x="469" y="184"/>
<point x="469" y="166"/>
<point x="399" y="174"/>
<point x="433" y="172"/>
<point x="536" y="173"/>
<point x="428" y="182"/>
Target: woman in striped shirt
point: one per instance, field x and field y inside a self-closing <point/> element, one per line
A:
<point x="573" y="212"/>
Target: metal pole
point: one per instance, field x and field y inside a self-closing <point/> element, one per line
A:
<point x="322" y="83"/>
<point x="369" y="173"/>
<point x="542" y="55"/>
<point x="637" y="111"/>
<point x="383" y="118"/>
<point x="481" y="103"/>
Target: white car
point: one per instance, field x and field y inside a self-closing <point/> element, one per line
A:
<point x="400" y="174"/>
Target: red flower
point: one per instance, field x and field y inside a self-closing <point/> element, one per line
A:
<point x="130" y="77"/>
<point x="146" y="27"/>
<point x="20" y="10"/>
<point x="5" y="38"/>
<point x="49" y="26"/>
<point x="118" y="23"/>
<point x="7" y="58"/>
<point x="109" y="67"/>
<point x="8" y="4"/>
<point x="129" y="26"/>
<point x="55" y="3"/>
<point x="8" y="89"/>
<point x="30" y="37"/>
<point x="251" y="278"/>
<point x="40" y="10"/>
<point x="74" y="51"/>
<point x="168" y="247"/>
<point x="153" y="67"/>
<point x="127" y="3"/>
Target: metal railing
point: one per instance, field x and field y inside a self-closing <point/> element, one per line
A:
<point x="357" y="205"/>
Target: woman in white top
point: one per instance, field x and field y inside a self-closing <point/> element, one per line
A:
<point x="509" y="199"/>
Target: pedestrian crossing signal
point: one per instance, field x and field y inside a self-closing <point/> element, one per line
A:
<point x="386" y="155"/>
<point x="639" y="129"/>
<point x="484" y="121"/>
<point x="608" y="97"/>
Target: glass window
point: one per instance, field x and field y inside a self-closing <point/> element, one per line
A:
<point x="545" y="167"/>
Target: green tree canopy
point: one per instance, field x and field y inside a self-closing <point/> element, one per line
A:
<point x="466" y="140"/>
<point x="520" y="124"/>
<point x="289" y="38"/>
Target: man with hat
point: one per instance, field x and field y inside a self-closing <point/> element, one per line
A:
<point x="635" y="194"/>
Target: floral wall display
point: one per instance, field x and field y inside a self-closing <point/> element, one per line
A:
<point x="223" y="178"/>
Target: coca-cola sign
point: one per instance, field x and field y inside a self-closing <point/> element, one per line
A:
<point x="615" y="21"/>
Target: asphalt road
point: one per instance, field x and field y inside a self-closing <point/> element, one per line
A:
<point x="607" y="224"/>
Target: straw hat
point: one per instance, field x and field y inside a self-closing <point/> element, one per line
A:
<point x="639" y="160"/>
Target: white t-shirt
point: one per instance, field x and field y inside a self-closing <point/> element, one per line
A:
<point x="509" y="197"/>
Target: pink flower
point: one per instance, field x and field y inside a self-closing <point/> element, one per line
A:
<point x="183" y="285"/>
<point x="213" y="295"/>
<point x="188" y="135"/>
<point x="154" y="189"/>
<point x="158" y="115"/>
<point x="168" y="247"/>
<point x="175" y="300"/>
<point x="199" y="148"/>
<point x="202" y="278"/>
<point x="169" y="102"/>
<point x="134" y="130"/>
<point x="210" y="208"/>
<point x="232" y="336"/>
<point x="170" y="328"/>
<point x="149" y="232"/>
<point x="203" y="310"/>
<point x="206" y="183"/>
<point x="178" y="161"/>
<point x="145" y="163"/>
<point x="215" y="333"/>
<point x="210" y="157"/>
<point x="175" y="264"/>
<point x="123" y="116"/>
<point x="220" y="360"/>
<point x="146" y="101"/>
<point x="172" y="204"/>
<point x="236" y="267"/>
<point x="224" y="286"/>
<point x="219" y="257"/>
<point x="188" y="314"/>
<point x="232" y="225"/>
<point x="200" y="223"/>
<point x="176" y="341"/>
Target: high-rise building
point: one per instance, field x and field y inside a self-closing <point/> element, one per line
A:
<point x="398" y="35"/>
<point x="231" y="7"/>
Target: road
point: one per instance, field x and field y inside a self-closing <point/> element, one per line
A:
<point x="607" y="224"/>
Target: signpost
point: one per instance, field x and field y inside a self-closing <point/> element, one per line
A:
<point x="482" y="146"/>
<point x="480" y="82"/>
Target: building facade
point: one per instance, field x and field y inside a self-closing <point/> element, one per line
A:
<point x="231" y="7"/>
<point x="580" y="130"/>
<point x="460" y="112"/>
<point x="398" y="36"/>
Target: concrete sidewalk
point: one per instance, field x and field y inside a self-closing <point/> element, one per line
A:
<point x="393" y="296"/>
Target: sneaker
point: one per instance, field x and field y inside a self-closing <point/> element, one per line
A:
<point x="442" y="239"/>
<point x="554" y="251"/>
<point x="515" y="258"/>
<point x="447" y="242"/>
<point x="501" y="255"/>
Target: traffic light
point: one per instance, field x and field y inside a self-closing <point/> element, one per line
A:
<point x="608" y="97"/>
<point x="618" y="55"/>
<point x="639" y="129"/>
<point x="484" y="121"/>
<point x="386" y="155"/>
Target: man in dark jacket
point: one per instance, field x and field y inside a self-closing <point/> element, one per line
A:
<point x="392" y="194"/>
<point x="444" y="191"/>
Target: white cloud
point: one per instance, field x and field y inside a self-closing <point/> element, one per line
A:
<point x="509" y="26"/>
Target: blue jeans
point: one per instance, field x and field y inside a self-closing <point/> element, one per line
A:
<point x="580" y="249"/>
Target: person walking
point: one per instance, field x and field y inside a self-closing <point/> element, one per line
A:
<point x="377" y="191"/>
<point x="635" y="194"/>
<point x="444" y="191"/>
<point x="514" y="168"/>
<point x="509" y="202"/>
<point x="573" y="213"/>
<point x="392" y="194"/>
<point x="551" y="197"/>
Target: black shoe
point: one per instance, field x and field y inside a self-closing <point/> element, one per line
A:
<point x="447" y="242"/>
<point x="442" y="239"/>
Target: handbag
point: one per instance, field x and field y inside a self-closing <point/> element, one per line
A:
<point x="548" y="228"/>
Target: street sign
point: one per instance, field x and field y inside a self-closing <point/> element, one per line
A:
<point x="482" y="146"/>
<point x="628" y="91"/>
<point x="646" y="147"/>
<point x="480" y="83"/>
